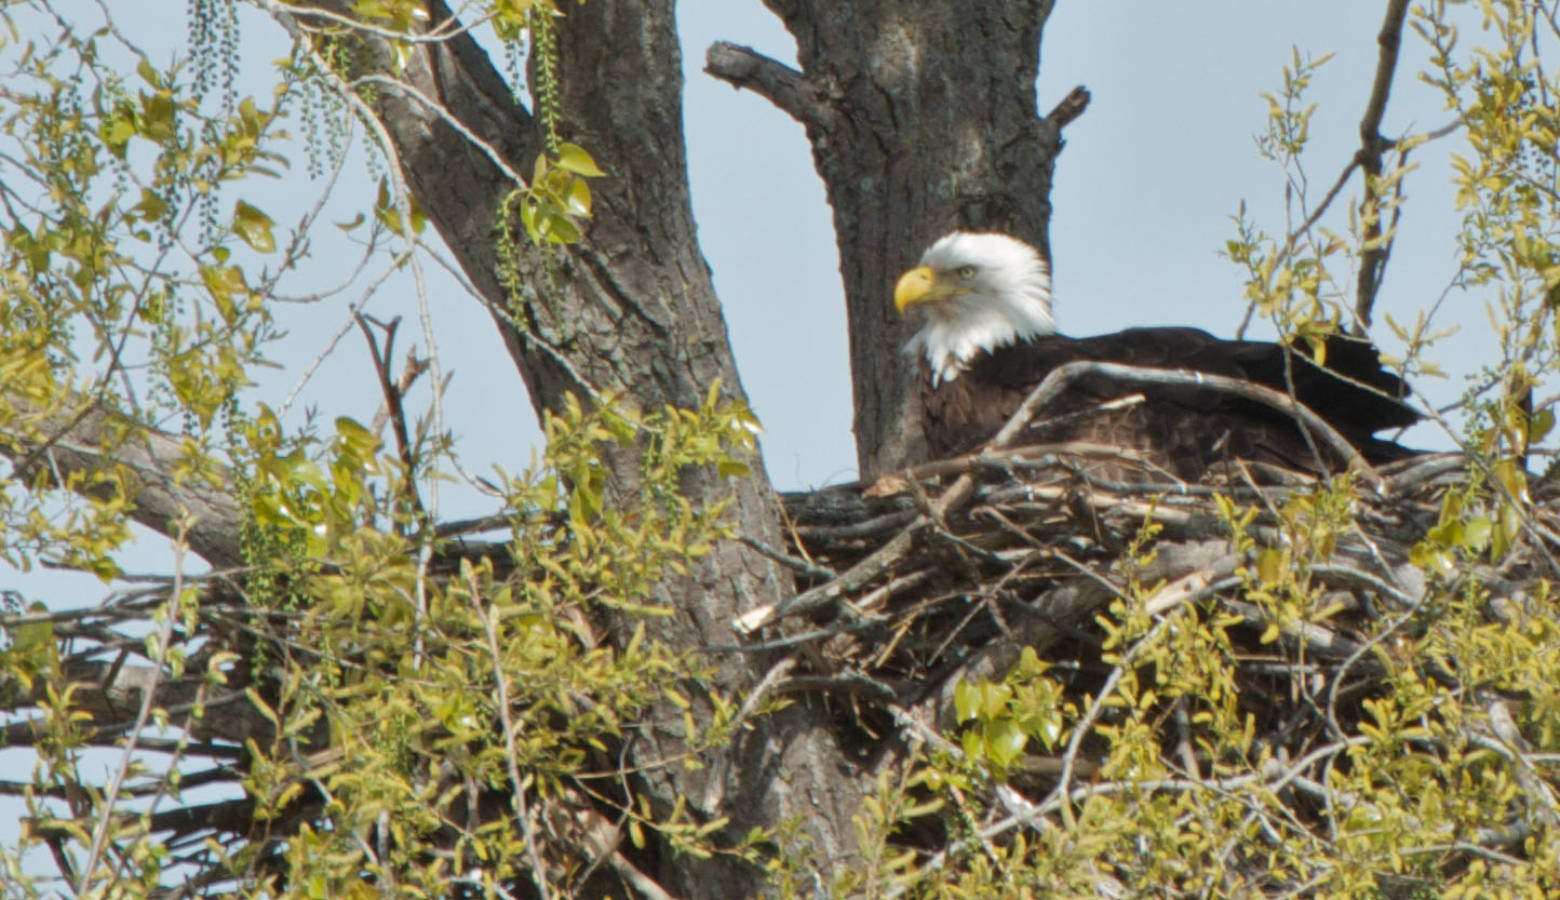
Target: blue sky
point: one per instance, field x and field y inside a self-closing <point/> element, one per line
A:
<point x="1145" y="190"/>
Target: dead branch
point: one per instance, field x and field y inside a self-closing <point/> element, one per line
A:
<point x="394" y="393"/>
<point x="1070" y="107"/>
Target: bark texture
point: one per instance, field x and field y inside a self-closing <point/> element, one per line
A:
<point x="922" y="117"/>
<point x="629" y="312"/>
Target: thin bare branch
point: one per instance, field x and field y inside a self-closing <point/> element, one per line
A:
<point x="1378" y="246"/>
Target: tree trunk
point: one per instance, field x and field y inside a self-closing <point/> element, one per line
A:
<point x="630" y="313"/>
<point x="913" y="137"/>
<point x="922" y="119"/>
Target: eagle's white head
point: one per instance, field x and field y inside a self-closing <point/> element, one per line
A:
<point x="980" y="290"/>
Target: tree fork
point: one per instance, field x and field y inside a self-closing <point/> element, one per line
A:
<point x="922" y="118"/>
<point x="629" y="312"/>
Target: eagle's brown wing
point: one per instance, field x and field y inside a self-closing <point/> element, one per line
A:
<point x="1182" y="430"/>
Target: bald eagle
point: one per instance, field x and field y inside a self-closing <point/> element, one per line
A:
<point x="989" y="338"/>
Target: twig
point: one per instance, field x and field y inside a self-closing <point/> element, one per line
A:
<point x="845" y="682"/>
<point x="1062" y="376"/>
<point x="810" y="569"/>
<point x="148" y="698"/>
<point x="1191" y="588"/>
<point x="1373" y="260"/>
<point x="641" y="882"/>
<point x="1319" y="641"/>
<point x="511" y="745"/>
<point x="855" y="530"/>
<point x="790" y="90"/>
<point x="903" y="583"/>
<point x="393" y="397"/>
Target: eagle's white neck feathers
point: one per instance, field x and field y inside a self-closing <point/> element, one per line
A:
<point x="998" y="291"/>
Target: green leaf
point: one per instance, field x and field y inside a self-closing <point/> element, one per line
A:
<point x="1270" y="567"/>
<point x="157" y="117"/>
<point x="1476" y="533"/>
<point x="149" y="73"/>
<point x="1005" y="741"/>
<point x="117" y="133"/>
<point x="1511" y="477"/>
<point x="577" y="199"/>
<point x="972" y="744"/>
<point x="965" y="697"/>
<point x="573" y="158"/>
<point x="1506" y="535"/>
<point x="388" y="212"/>
<point x="1430" y="557"/>
<point x="557" y="227"/>
<point x="1539" y="426"/>
<point x="33" y="650"/>
<point x="1049" y="730"/>
<point x="152" y="207"/>
<point x="223" y="282"/>
<point x="994" y="698"/>
<point x="358" y="439"/>
<point x="528" y="220"/>
<point x="254" y="227"/>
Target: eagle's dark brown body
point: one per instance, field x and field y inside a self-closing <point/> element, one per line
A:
<point x="1177" y="430"/>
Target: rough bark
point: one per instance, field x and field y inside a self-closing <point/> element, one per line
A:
<point x="85" y="437"/>
<point x="628" y="313"/>
<point x="922" y="117"/>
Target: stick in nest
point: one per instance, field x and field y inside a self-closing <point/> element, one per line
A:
<point x="1052" y="387"/>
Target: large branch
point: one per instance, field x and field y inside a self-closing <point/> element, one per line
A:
<point x="630" y="313"/>
<point x="84" y="438"/>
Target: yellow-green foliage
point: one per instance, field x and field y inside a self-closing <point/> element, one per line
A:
<point x="1178" y="784"/>
<point x="400" y="675"/>
<point x="1503" y="90"/>
<point x="403" y="701"/>
<point x="101" y="283"/>
<point x="137" y="280"/>
<point x="1428" y="770"/>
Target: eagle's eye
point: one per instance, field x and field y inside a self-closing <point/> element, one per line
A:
<point x="965" y="272"/>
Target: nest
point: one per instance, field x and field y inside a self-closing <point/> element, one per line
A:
<point x="969" y="562"/>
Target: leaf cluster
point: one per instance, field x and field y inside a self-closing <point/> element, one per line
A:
<point x="417" y="727"/>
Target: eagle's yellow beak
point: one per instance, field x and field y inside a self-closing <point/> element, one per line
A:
<point x="919" y="285"/>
